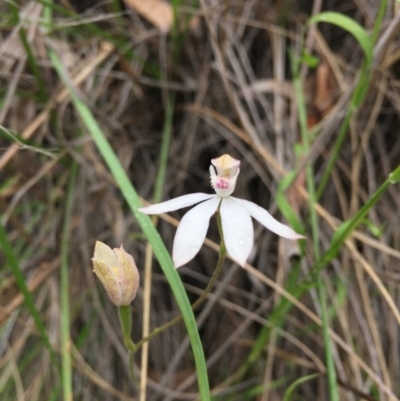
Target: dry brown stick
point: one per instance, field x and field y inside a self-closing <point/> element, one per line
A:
<point x="38" y="278"/>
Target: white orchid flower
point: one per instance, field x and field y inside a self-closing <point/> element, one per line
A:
<point x="235" y="216"/>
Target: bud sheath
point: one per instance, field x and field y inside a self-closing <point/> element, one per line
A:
<point x="117" y="270"/>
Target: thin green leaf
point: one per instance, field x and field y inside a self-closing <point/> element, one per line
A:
<point x="394" y="176"/>
<point x="350" y="26"/>
<point x="289" y="392"/>
<point x="66" y="366"/>
<point x="26" y="144"/>
<point x="310" y="60"/>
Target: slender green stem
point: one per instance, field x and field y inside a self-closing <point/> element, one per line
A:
<point x="378" y="20"/>
<point x="302" y="112"/>
<point x="166" y="139"/>
<point x="66" y="366"/>
<point x="125" y="320"/>
<point x="290" y="390"/>
<point x="330" y="364"/>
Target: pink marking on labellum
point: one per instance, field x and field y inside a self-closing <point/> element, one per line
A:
<point x="222" y="184"/>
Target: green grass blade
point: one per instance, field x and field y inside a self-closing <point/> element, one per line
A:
<point x="394" y="176"/>
<point x="146" y="225"/>
<point x="12" y="262"/>
<point x="66" y="365"/>
<point x="289" y="392"/>
<point x="166" y="139"/>
<point x="333" y="387"/>
<point x="350" y="26"/>
<point x="378" y="20"/>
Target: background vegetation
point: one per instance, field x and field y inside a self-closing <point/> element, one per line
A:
<point x="102" y="101"/>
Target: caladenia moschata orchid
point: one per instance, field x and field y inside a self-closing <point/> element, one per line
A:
<point x="235" y="216"/>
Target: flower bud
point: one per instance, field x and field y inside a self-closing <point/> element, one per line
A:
<point x="224" y="174"/>
<point x="117" y="271"/>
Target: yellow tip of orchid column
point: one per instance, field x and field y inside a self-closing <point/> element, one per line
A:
<point x="225" y="162"/>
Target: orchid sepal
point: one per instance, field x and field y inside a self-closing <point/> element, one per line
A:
<point x="177" y="203"/>
<point x="263" y="217"/>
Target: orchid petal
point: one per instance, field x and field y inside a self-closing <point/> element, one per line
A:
<point x="192" y="231"/>
<point x="237" y="229"/>
<point x="263" y="217"/>
<point x="176" y="203"/>
<point x="105" y="254"/>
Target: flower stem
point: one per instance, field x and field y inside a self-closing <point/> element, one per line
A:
<point x="217" y="271"/>
<point x="125" y="319"/>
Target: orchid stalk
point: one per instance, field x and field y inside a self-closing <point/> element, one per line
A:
<point x="133" y="347"/>
<point x="235" y="214"/>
